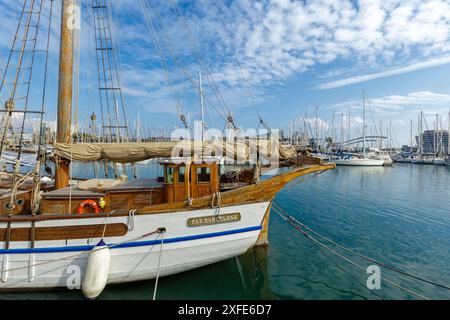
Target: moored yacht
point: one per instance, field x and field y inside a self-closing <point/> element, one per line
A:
<point x="364" y="160"/>
<point x="423" y="160"/>
<point x="359" y="161"/>
<point x="376" y="153"/>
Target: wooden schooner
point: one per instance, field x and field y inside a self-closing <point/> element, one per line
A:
<point x="117" y="231"/>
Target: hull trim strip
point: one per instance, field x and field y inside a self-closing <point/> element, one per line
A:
<point x="131" y="244"/>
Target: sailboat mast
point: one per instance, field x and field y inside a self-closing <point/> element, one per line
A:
<point x="349" y="125"/>
<point x="65" y="89"/>
<point x="316" y="129"/>
<point x="390" y="137"/>
<point x="435" y="137"/>
<point x="448" y="145"/>
<point x="420" y="134"/>
<point x="411" y="136"/>
<point x="364" y="124"/>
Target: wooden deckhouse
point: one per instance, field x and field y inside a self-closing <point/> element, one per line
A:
<point x="182" y="180"/>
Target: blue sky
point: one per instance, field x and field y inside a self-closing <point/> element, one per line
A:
<point x="293" y="54"/>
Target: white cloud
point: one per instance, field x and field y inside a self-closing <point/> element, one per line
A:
<point x="363" y="78"/>
<point x="275" y="40"/>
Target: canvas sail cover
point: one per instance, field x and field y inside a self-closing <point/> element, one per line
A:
<point x="141" y="151"/>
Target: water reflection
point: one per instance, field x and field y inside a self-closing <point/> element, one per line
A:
<point x="256" y="275"/>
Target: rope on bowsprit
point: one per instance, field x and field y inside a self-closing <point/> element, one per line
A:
<point x="304" y="230"/>
<point x="162" y="231"/>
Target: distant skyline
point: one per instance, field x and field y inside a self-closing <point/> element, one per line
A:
<point x="290" y="55"/>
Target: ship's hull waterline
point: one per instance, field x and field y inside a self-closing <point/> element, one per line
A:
<point x="360" y="163"/>
<point x="57" y="264"/>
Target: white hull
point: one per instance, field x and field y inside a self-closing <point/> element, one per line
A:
<point x="360" y="162"/>
<point x="382" y="156"/>
<point x="423" y="161"/>
<point x="54" y="264"/>
<point x="439" y="162"/>
<point x="387" y="160"/>
<point x="405" y="160"/>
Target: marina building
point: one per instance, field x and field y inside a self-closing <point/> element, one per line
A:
<point x="434" y="141"/>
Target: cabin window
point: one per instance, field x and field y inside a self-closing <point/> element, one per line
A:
<point x="204" y="174"/>
<point x="181" y="173"/>
<point x="169" y="175"/>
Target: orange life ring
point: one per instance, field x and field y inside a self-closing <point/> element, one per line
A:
<point x="91" y="203"/>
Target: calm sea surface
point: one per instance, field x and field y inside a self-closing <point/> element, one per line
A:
<point x="399" y="216"/>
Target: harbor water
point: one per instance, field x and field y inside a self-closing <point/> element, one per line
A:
<point x="399" y="216"/>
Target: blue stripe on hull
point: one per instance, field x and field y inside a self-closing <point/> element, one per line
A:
<point x="131" y="244"/>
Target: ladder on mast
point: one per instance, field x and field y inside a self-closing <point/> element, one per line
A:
<point x="113" y="115"/>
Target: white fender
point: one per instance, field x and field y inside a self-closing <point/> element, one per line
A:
<point x="97" y="271"/>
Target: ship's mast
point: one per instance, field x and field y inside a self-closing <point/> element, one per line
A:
<point x="448" y="145"/>
<point x="349" y="126"/>
<point x="435" y="136"/>
<point x="420" y="134"/>
<point x="65" y="90"/>
<point x="411" y="136"/>
<point x="364" y="123"/>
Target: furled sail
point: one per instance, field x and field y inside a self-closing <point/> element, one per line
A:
<point x="136" y="152"/>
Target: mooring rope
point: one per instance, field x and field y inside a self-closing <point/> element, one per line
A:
<point x="447" y="287"/>
<point x="162" y="232"/>
<point x="348" y="273"/>
<point x="106" y="223"/>
<point x="317" y="242"/>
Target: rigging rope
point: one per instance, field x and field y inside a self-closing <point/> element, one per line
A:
<point x="30" y="75"/>
<point x="40" y="157"/>
<point x="2" y="70"/>
<point x="196" y="49"/>
<point x="246" y="82"/>
<point x="151" y="24"/>
<point x="118" y="68"/>
<point x="29" y="39"/>
<point x="18" y="69"/>
<point x="158" y="16"/>
<point x="108" y="75"/>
